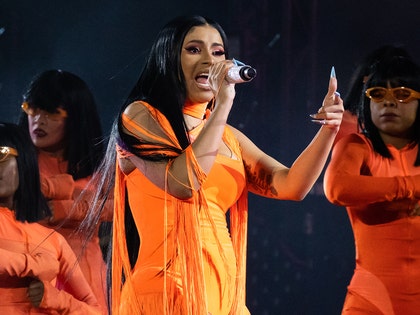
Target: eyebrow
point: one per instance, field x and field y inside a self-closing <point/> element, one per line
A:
<point x="199" y="41"/>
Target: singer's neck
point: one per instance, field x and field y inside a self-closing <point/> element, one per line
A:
<point x="195" y="110"/>
<point x="194" y="115"/>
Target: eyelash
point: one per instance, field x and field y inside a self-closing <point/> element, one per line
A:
<point x="195" y="50"/>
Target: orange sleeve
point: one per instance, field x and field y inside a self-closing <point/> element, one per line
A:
<point x="68" y="209"/>
<point x="64" y="303"/>
<point x="76" y="206"/>
<point x="39" y="265"/>
<point x="348" y="126"/>
<point x="58" y="186"/>
<point x="346" y="185"/>
<point x="72" y="294"/>
<point x="76" y="211"/>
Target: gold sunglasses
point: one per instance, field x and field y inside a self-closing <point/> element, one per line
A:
<point x="5" y="152"/>
<point x="58" y="115"/>
<point x="401" y="94"/>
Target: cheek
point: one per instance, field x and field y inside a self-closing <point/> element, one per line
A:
<point x="58" y="131"/>
<point x="15" y="178"/>
<point x="412" y="114"/>
<point x="10" y="177"/>
<point x="186" y="71"/>
<point x="374" y="114"/>
<point x="30" y="122"/>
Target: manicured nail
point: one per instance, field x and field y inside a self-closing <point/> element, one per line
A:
<point x="312" y="115"/>
<point x="332" y="75"/>
<point x="319" y="122"/>
<point x="236" y="62"/>
<point x="337" y="93"/>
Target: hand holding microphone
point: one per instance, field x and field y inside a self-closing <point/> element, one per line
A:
<point x="240" y="73"/>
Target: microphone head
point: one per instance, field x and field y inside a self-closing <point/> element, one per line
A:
<point x="247" y="73"/>
<point x="239" y="74"/>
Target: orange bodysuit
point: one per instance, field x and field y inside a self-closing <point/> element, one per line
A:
<point x="30" y="251"/>
<point x="158" y="276"/>
<point x="348" y="125"/>
<point x="61" y="191"/>
<point x="377" y="193"/>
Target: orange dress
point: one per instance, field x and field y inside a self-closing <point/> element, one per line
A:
<point x="157" y="283"/>
<point x="60" y="189"/>
<point x="29" y="251"/>
<point x="378" y="192"/>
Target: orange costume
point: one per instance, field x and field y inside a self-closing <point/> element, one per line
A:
<point x="188" y="263"/>
<point x="30" y="251"/>
<point x="348" y="125"/>
<point x="378" y="194"/>
<point x="61" y="190"/>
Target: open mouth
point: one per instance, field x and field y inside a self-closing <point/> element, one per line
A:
<point x="202" y="79"/>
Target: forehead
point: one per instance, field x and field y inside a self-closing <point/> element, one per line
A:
<point x="205" y="34"/>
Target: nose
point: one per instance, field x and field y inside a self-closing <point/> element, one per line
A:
<point x="390" y="101"/>
<point x="208" y="57"/>
<point x="40" y="118"/>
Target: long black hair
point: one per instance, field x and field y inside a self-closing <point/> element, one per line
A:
<point x="162" y="85"/>
<point x="83" y="132"/>
<point x="162" y="82"/>
<point x="28" y="202"/>
<point x="396" y="71"/>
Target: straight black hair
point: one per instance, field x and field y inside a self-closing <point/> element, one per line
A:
<point x="162" y="82"/>
<point x="83" y="132"/>
<point x="28" y="202"/>
<point x="396" y="71"/>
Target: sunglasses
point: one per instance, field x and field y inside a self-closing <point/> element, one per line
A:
<point x="59" y="113"/>
<point x="401" y="94"/>
<point x="5" y="152"/>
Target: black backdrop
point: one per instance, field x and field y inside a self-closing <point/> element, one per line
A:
<point x="300" y="255"/>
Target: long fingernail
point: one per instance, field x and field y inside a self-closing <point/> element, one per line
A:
<point x="236" y="62"/>
<point x="332" y="75"/>
<point x="312" y="115"/>
<point x="319" y="122"/>
<point x="337" y="93"/>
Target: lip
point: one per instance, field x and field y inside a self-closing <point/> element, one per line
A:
<point x="39" y="132"/>
<point x="389" y="117"/>
<point x="201" y="80"/>
<point x="389" y="114"/>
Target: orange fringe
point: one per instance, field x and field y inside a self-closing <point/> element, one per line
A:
<point x="187" y="260"/>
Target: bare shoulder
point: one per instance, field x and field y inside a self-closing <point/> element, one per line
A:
<point x="244" y="141"/>
<point x="135" y="109"/>
<point x="238" y="134"/>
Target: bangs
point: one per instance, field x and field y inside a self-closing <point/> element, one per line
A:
<point x="400" y="72"/>
<point x="46" y="92"/>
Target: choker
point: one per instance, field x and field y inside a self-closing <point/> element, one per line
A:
<point x="196" y="110"/>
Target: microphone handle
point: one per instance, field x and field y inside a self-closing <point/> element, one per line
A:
<point x="240" y="74"/>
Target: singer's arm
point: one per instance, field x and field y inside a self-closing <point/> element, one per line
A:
<point x="268" y="177"/>
<point x="205" y="147"/>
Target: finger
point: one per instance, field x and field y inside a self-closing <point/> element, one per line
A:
<point x="36" y="288"/>
<point x="332" y="86"/>
<point x="36" y="292"/>
<point x="327" y="122"/>
<point x="335" y="108"/>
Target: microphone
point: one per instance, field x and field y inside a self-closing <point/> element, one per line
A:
<point x="240" y="73"/>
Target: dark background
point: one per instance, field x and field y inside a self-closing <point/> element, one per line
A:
<point x="300" y="254"/>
